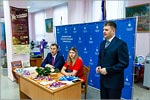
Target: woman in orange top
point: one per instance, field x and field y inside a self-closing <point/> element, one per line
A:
<point x="74" y="65"/>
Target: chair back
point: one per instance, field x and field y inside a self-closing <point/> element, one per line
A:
<point x="15" y="64"/>
<point x="86" y="74"/>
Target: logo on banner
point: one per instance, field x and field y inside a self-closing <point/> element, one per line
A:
<point x="97" y="29"/>
<point x="74" y="30"/>
<point x="84" y="30"/>
<point x="91" y="40"/>
<point x="85" y="51"/>
<point x="58" y="31"/>
<point x="129" y="28"/>
<point x="66" y="31"/>
<point x="119" y="37"/>
<point x="127" y="82"/>
<point x="66" y="49"/>
<point x="91" y="61"/>
<point x="79" y="40"/>
<point x="96" y="51"/>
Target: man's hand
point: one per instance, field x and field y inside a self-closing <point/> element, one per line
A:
<point x="48" y="65"/>
<point x="69" y="74"/>
<point x="101" y="70"/>
<point x="98" y="69"/>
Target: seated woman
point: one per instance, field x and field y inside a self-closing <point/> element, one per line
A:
<point x="74" y="66"/>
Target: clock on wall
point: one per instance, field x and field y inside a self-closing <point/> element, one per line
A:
<point x="140" y="59"/>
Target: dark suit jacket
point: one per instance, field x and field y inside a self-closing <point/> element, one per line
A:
<point x="59" y="60"/>
<point x="115" y="59"/>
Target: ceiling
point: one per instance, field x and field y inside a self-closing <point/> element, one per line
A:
<point x="35" y="5"/>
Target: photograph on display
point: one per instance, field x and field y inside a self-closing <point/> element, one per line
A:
<point x="49" y="25"/>
<point x="143" y="13"/>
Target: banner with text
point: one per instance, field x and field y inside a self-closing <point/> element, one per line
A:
<point x="87" y="37"/>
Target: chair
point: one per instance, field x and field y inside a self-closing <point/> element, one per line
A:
<point x="15" y="64"/>
<point x="85" y="86"/>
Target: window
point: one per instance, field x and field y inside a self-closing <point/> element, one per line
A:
<point x="114" y="9"/>
<point x="39" y="19"/>
<point x="97" y="10"/>
<point x="60" y="15"/>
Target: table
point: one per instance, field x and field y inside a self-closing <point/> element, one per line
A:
<point x="28" y="88"/>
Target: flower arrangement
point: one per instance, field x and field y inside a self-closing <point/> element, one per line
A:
<point x="46" y="71"/>
<point x="43" y="71"/>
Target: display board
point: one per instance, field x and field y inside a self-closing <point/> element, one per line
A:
<point x="87" y="37"/>
<point x="20" y="31"/>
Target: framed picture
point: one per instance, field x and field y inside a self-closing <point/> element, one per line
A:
<point x="143" y="13"/>
<point x="49" y="25"/>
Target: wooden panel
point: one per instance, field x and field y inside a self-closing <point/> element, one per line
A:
<point x="44" y="94"/>
<point x="31" y="89"/>
<point x="72" y="92"/>
<point x="28" y="88"/>
<point x="36" y="61"/>
<point x="23" y="96"/>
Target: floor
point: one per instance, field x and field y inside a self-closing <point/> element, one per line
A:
<point x="9" y="89"/>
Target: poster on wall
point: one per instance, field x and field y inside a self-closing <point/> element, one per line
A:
<point x="20" y="32"/>
<point x="143" y="13"/>
<point x="49" y="25"/>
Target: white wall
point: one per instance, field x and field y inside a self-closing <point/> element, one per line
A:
<point x="135" y="2"/>
<point x="10" y="56"/>
<point x="76" y="11"/>
<point x="31" y="26"/>
<point x="80" y="11"/>
<point x="50" y="37"/>
<point x="114" y="9"/>
<point x="142" y="44"/>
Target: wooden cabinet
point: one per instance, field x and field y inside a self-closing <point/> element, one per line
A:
<point x="36" y="61"/>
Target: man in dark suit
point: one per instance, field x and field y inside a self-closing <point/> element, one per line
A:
<point x="54" y="59"/>
<point x="112" y="60"/>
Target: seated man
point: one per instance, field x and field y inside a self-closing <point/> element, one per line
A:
<point x="54" y="59"/>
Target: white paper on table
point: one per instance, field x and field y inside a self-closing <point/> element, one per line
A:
<point x="46" y="82"/>
<point x="67" y="82"/>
